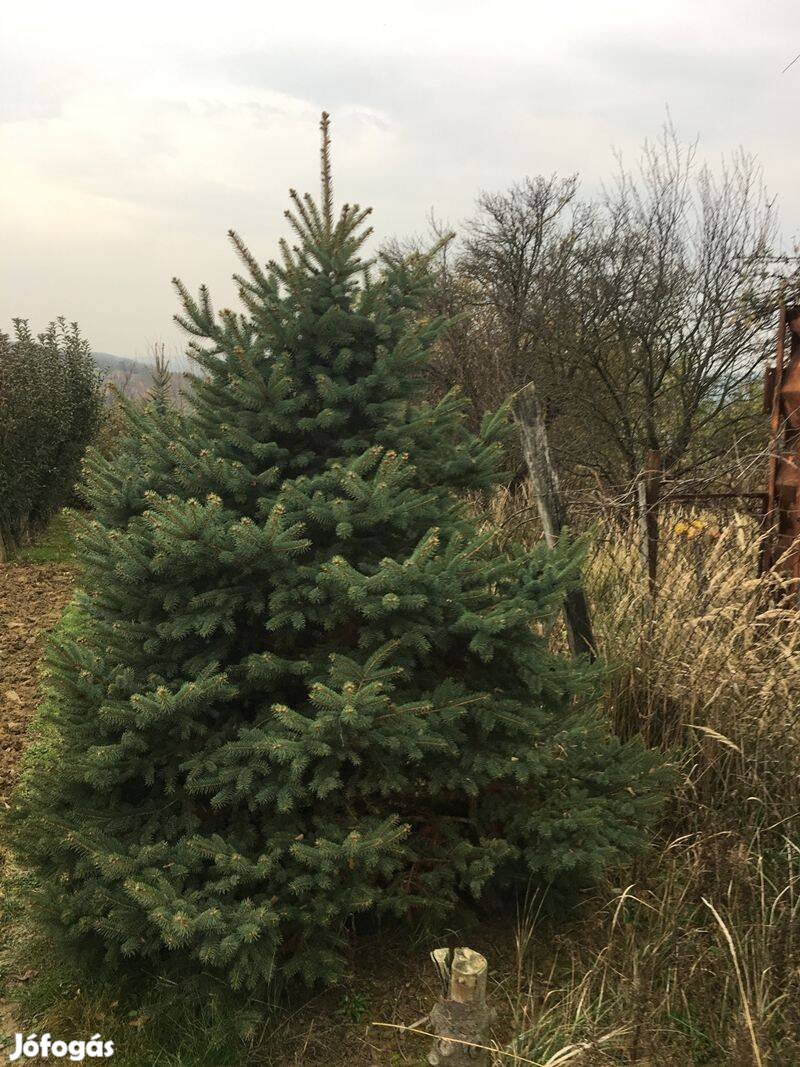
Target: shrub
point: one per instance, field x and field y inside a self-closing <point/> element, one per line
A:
<point x="50" y="404"/>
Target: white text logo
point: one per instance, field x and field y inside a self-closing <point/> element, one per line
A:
<point x="32" y="1048"/>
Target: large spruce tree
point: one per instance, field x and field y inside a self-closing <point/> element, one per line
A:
<point x="302" y="683"/>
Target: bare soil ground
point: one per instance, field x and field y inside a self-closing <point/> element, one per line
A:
<point x="32" y="598"/>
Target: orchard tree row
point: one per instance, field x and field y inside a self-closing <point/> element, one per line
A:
<point x="50" y="409"/>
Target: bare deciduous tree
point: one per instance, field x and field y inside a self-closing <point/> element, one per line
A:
<point x="669" y="307"/>
<point x="640" y="316"/>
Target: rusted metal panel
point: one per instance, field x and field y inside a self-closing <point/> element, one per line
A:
<point x="782" y="517"/>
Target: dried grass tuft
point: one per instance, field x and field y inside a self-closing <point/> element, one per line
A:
<point x="697" y="960"/>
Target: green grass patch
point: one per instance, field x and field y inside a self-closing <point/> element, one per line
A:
<point x="56" y="545"/>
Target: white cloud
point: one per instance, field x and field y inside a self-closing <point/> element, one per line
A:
<point x="131" y="138"/>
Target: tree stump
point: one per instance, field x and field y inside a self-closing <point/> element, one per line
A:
<point x="460" y="1019"/>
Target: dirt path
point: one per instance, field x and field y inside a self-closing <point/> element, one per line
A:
<point x="32" y="598"/>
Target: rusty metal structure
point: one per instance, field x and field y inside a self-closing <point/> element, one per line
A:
<point x="781" y="549"/>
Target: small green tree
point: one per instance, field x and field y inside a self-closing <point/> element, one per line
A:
<point x="160" y="394"/>
<point x="307" y="686"/>
<point x="50" y="406"/>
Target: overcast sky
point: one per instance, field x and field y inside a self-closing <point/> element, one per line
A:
<point x="133" y="136"/>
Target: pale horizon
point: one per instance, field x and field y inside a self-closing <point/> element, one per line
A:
<point x="133" y="140"/>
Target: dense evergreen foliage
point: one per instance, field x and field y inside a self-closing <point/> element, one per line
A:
<point x="50" y="407"/>
<point x="307" y="684"/>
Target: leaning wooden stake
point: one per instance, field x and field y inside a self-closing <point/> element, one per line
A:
<point x="536" y="450"/>
<point x="460" y="1019"/>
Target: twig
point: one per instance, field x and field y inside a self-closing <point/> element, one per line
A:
<point x="457" y="1041"/>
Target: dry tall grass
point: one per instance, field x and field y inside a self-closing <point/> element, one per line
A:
<point x="696" y="961"/>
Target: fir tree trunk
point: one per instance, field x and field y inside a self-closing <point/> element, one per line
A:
<point x="536" y="450"/>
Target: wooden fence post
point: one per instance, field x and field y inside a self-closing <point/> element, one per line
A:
<point x="460" y="1019"/>
<point x="549" y="502"/>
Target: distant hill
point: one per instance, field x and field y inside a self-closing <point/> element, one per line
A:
<point x="132" y="377"/>
<point x="106" y="361"/>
